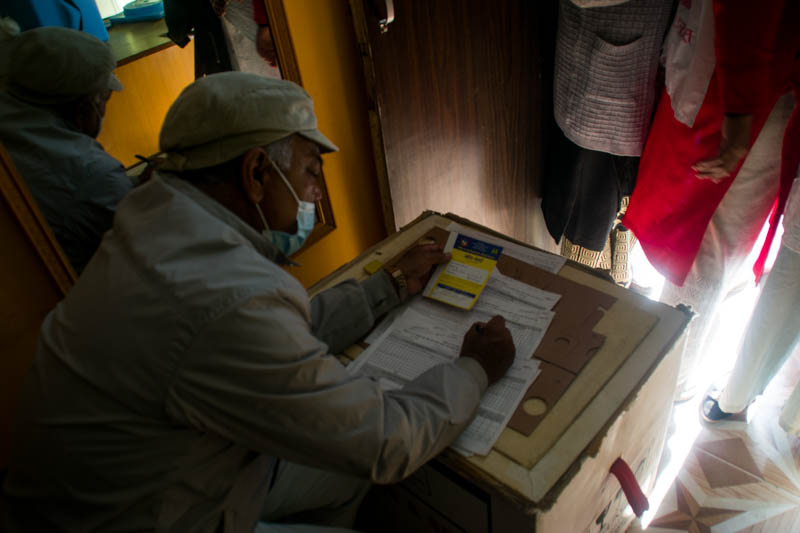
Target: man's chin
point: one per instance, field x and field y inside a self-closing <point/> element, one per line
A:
<point x="291" y="230"/>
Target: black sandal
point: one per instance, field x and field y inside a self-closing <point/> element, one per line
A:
<point x="711" y="412"/>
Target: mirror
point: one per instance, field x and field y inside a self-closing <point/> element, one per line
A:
<point x="153" y="71"/>
<point x="248" y="38"/>
<point x="265" y="48"/>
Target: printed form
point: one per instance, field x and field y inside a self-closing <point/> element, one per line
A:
<point x="427" y="333"/>
<point x="544" y="260"/>
<point x="501" y="290"/>
<point x="460" y="282"/>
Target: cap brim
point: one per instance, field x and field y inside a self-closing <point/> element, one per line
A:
<point x="113" y="82"/>
<point x="324" y="143"/>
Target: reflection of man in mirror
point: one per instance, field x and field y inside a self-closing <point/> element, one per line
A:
<point x="228" y="35"/>
<point x="265" y="44"/>
<point x="58" y="83"/>
<point x="186" y="384"/>
<point x="249" y="38"/>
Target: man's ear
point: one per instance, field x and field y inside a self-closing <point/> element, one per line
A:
<point x="254" y="168"/>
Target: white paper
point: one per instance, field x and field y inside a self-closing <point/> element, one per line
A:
<point x="544" y="260"/>
<point x="427" y="334"/>
<point x="519" y="303"/>
<point x="527" y="326"/>
<point x="525" y="308"/>
<point x="522" y="291"/>
<point x="413" y="344"/>
<point x="497" y="407"/>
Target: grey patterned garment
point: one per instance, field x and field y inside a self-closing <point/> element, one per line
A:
<point x="606" y="62"/>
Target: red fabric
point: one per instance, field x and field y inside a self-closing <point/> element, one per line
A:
<point x="789" y="163"/>
<point x="670" y="208"/>
<point x="633" y="492"/>
<point x="744" y="44"/>
<point x="260" y="12"/>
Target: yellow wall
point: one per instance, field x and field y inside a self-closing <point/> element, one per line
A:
<point x="330" y="66"/>
<point x="134" y="115"/>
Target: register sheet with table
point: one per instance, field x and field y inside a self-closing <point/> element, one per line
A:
<point x="425" y="333"/>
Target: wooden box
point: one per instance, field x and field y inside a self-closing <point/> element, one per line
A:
<point x="557" y="478"/>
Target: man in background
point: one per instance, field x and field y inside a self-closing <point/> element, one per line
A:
<point x="711" y="173"/>
<point x="58" y="81"/>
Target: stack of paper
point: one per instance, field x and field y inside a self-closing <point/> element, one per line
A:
<point x="427" y="333"/>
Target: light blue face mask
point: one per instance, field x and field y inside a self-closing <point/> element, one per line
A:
<point x="285" y="242"/>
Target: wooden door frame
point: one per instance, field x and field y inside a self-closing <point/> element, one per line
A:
<point x="360" y="21"/>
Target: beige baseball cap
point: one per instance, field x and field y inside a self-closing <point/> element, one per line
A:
<point x="221" y="116"/>
<point x="51" y="65"/>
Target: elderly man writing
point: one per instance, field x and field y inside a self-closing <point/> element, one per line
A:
<point x="185" y="383"/>
<point x="58" y="82"/>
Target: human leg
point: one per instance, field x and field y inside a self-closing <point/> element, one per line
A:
<point x="306" y="495"/>
<point x="729" y="237"/>
<point x="790" y="415"/>
<point x="771" y="335"/>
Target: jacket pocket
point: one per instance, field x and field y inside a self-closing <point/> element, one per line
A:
<point x="617" y="73"/>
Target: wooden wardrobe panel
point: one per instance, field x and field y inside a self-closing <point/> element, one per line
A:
<point x="34" y="277"/>
<point x="463" y="95"/>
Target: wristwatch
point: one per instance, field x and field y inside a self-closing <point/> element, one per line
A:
<point x="400" y="284"/>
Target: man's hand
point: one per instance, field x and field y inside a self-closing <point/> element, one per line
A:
<point x="417" y="265"/>
<point x="491" y="345"/>
<point x="733" y="148"/>
<point x="265" y="45"/>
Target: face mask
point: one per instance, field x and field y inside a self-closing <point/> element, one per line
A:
<point x="285" y="242"/>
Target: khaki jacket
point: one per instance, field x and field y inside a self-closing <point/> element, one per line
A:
<point x="185" y="360"/>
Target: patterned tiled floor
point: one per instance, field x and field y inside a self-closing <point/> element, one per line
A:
<point x="739" y="476"/>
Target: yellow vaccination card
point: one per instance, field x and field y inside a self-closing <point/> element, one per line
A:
<point x="460" y="281"/>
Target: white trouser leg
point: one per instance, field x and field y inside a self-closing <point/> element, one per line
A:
<point x="729" y="237"/>
<point x="306" y="499"/>
<point x="790" y="416"/>
<point x="771" y="334"/>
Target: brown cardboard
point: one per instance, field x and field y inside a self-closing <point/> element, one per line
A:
<point x="549" y="386"/>
<point x="569" y="342"/>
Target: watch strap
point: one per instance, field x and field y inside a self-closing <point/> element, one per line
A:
<point x="399" y="279"/>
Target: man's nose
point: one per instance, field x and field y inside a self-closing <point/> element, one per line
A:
<point x="317" y="193"/>
<point x="313" y="193"/>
